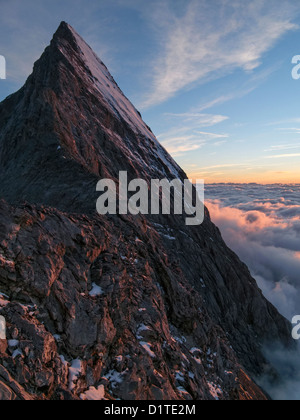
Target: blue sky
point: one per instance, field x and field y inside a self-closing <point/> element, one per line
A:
<point x="211" y="77"/>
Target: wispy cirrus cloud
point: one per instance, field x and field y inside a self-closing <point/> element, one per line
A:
<point x="249" y="86"/>
<point x="212" y="39"/>
<point x="226" y="165"/>
<point x="286" y="121"/>
<point x="280" y="147"/>
<point x="177" y="146"/>
<point x="203" y="120"/>
<point x="186" y="134"/>
<point x="213" y="135"/>
<point x="292" y="130"/>
<point x="284" y="156"/>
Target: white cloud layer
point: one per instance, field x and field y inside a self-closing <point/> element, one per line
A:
<point x="262" y="225"/>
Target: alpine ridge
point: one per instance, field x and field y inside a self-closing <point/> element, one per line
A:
<point x="115" y="307"/>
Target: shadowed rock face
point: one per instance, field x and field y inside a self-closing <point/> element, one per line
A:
<point x="173" y="313"/>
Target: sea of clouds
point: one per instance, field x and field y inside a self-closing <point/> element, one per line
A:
<point x="261" y="223"/>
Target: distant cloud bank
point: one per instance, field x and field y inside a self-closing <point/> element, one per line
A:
<point x="262" y="225"/>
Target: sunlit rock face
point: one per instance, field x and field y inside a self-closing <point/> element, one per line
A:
<point x="116" y="307"/>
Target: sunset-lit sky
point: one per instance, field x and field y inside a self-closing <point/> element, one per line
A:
<point x="211" y="77"/>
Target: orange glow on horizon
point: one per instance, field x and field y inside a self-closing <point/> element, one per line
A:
<point x="240" y="177"/>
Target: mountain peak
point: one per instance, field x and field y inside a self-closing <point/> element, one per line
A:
<point x="71" y="112"/>
<point x="164" y="289"/>
<point x="66" y="32"/>
<point x="63" y="27"/>
<point x="89" y="66"/>
<point x="65" y="35"/>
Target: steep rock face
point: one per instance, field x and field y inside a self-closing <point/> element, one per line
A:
<point x="71" y="119"/>
<point x="144" y="306"/>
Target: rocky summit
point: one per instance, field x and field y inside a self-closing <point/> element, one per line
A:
<point x="115" y="307"/>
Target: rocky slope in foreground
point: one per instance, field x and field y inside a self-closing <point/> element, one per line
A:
<point x="131" y="307"/>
